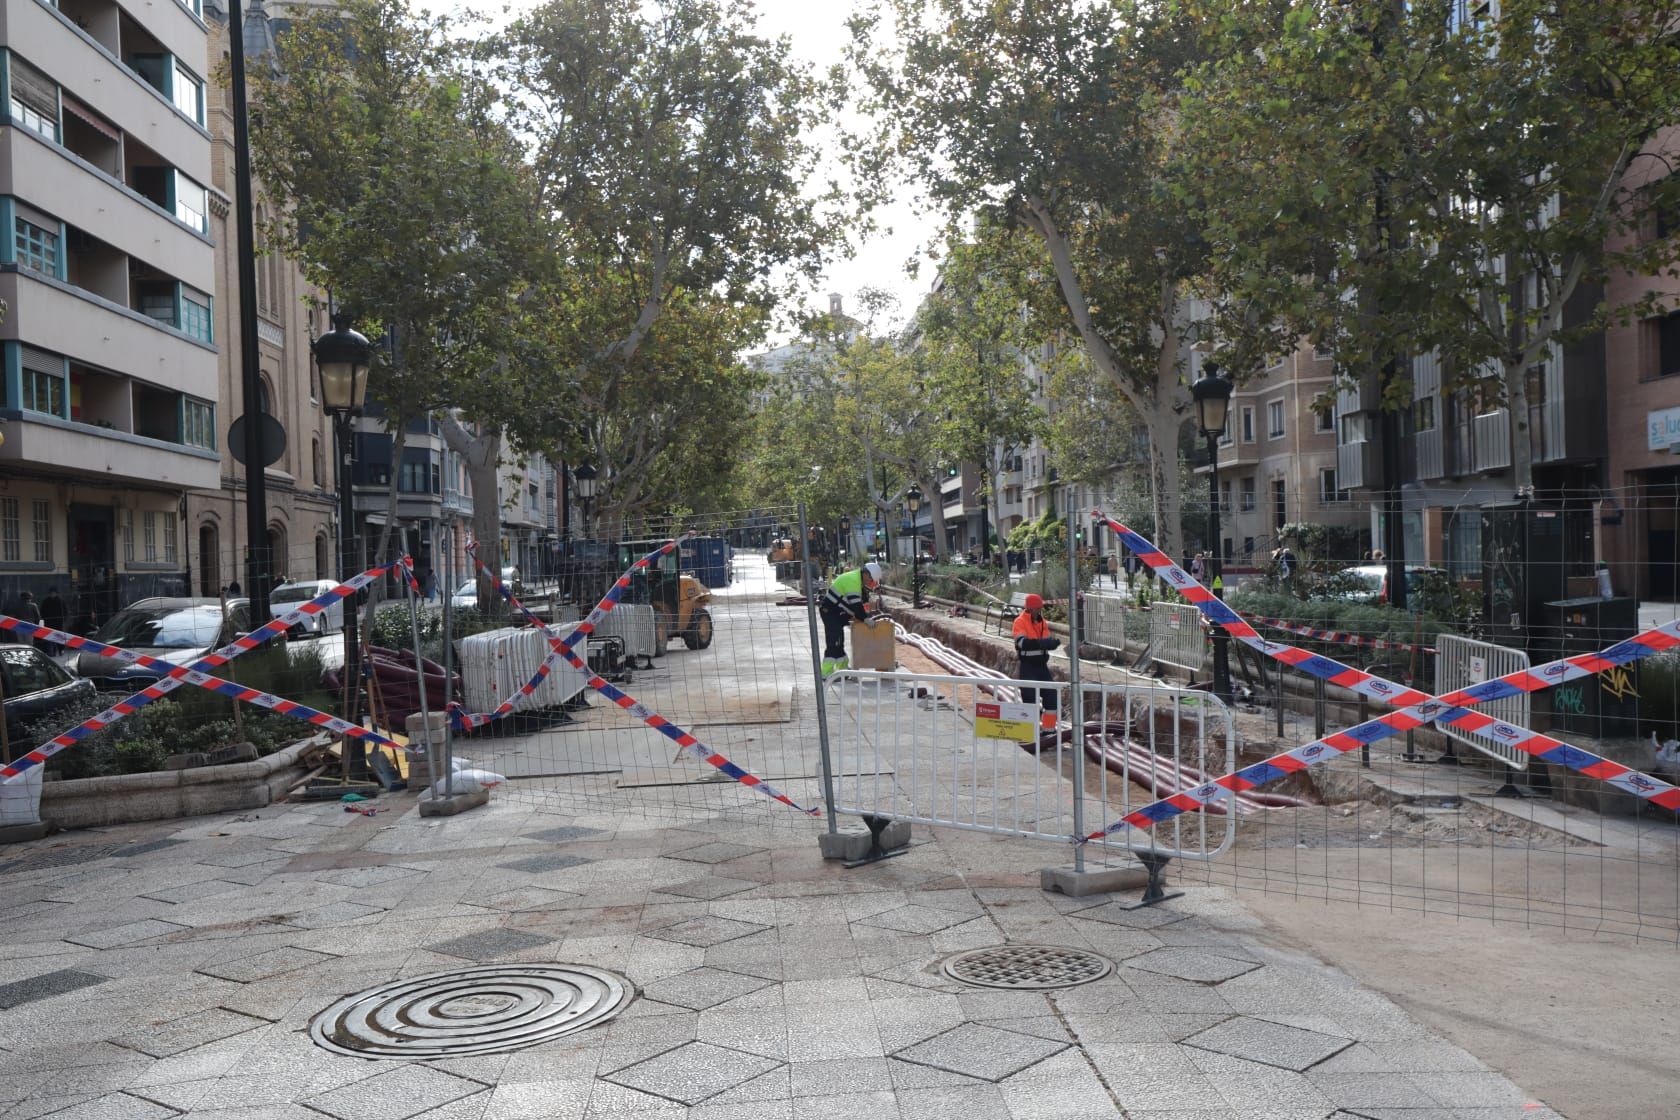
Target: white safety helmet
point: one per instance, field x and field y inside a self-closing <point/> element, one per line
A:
<point x="873" y="571"/>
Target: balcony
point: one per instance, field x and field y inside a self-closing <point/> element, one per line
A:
<point x="91" y="451"/>
<point x="92" y="328"/>
<point x="1491" y="441"/>
<point x="89" y="69"/>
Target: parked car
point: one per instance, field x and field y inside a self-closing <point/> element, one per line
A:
<point x="466" y="596"/>
<point x="178" y="631"/>
<point x="287" y="596"/>
<point x="1368" y="583"/>
<point x="35" y="687"/>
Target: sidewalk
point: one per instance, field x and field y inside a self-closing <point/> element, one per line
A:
<point x="173" y="969"/>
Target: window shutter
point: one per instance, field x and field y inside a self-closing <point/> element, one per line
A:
<point x="34" y="88"/>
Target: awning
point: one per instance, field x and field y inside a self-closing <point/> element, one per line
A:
<point x="90" y="118"/>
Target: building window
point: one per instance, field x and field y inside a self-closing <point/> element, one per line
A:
<point x="315" y="460"/>
<point x="1280" y="505"/>
<point x="43" y="391"/>
<point x="1423" y="414"/>
<point x="42" y="528"/>
<point x="128" y="535"/>
<point x="1327" y="492"/>
<point x="11" y="531"/>
<point x="192" y="203"/>
<point x="1668" y="344"/>
<point x="1274" y="417"/>
<point x="1324" y="420"/>
<point x="193" y="6"/>
<point x="34" y="100"/>
<point x="1323" y="353"/>
<point x="1247" y="495"/>
<point x="1247" y="424"/>
<point x="195" y="314"/>
<point x="157" y="302"/>
<point x="150" y="539"/>
<point x="37" y="247"/>
<point x="198" y="424"/>
<point x="169" y="529"/>
<point x="188" y="93"/>
<point x="1355" y="429"/>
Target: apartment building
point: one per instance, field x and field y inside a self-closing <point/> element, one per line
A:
<point x="302" y="515"/>
<point x="109" y="345"/>
<point x="1278" y="459"/>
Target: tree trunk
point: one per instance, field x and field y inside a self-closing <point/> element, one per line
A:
<point x="482" y="454"/>
<point x="1167" y="501"/>
<point x="1522" y="436"/>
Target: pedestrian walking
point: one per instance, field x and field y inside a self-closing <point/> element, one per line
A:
<point x="1114" y="569"/>
<point x="1198" y="565"/>
<point x="1033" y="644"/>
<point x="846" y="599"/>
<point x="26" y="609"/>
<point x="53" y="614"/>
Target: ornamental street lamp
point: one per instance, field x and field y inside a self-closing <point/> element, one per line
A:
<point x="342" y="356"/>
<point x="845" y="534"/>
<point x="585" y="476"/>
<point x="1212" y="394"/>
<point x="913" y="501"/>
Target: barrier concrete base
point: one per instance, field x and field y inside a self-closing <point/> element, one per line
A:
<point x="1093" y="880"/>
<point x="453" y="804"/>
<point x="854" y="845"/>
<point x="18" y="833"/>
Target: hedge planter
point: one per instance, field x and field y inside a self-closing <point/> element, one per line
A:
<point x="166" y="794"/>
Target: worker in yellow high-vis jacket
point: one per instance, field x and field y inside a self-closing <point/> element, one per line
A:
<point x="846" y="600"/>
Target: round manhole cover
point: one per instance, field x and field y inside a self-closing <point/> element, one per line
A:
<point x="1027" y="967"/>
<point x="487" y="1010"/>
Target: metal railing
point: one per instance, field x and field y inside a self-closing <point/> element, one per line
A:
<point x="961" y="752"/>
<point x="1177" y="636"/>
<point x="1462" y="662"/>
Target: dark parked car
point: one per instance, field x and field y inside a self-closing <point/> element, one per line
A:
<point x="35" y="688"/>
<point x="178" y="631"/>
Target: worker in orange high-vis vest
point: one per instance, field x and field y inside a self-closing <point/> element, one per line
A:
<point x="1033" y="644"/>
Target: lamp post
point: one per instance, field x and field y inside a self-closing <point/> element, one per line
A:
<point x="845" y="534"/>
<point x="913" y="501"/>
<point x="584" y="476"/>
<point x="1212" y="394"/>
<point x="343" y="355"/>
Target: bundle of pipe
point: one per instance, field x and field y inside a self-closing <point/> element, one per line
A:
<point x="1105" y="742"/>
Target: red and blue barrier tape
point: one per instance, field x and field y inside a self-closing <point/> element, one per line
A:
<point x="689" y="743"/>
<point x="1417" y="709"/>
<point x="1337" y="637"/>
<point x="174" y="676"/>
<point x="466" y="721"/>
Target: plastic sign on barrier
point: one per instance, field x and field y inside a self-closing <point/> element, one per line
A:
<point x="1016" y="722"/>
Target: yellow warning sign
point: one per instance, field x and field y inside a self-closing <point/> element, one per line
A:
<point x="1016" y="722"/>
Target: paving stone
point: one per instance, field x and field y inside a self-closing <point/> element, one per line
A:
<point x="260" y="966"/>
<point x="563" y="834"/>
<point x="128" y="850"/>
<point x="717" y="851"/>
<point x="693" y="1072"/>
<point x="1372" y="1090"/>
<point x="522" y="898"/>
<point x="192" y="892"/>
<point x="129" y="933"/>
<point x="977" y="1050"/>
<point x="396" y="1095"/>
<point x="45" y="986"/>
<point x="176" y="1036"/>
<point x="551" y="861"/>
<point x="915" y="919"/>
<point x="703" y="988"/>
<point x="490" y="944"/>
<point x="1272" y="1044"/>
<point x="954" y="1102"/>
<point x="1470" y="1090"/>
<point x="715" y="886"/>
<point x="1192" y="964"/>
<point x="116" y="1106"/>
<point x="1149" y="917"/>
<point x="705" y="932"/>
<point x="366" y="876"/>
<point x="244" y="857"/>
<point x="332" y="914"/>
<point x="839" y="1076"/>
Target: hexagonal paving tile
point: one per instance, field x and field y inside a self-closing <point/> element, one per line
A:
<point x="978" y="1050"/>
<point x="564" y="833"/>
<point x="702" y="988"/>
<point x="260" y="966"/>
<point x="1192" y="964"/>
<point x="713" y="886"/>
<point x="693" y="1072"/>
<point x="915" y="918"/>
<point x="549" y="861"/>
<point x="1259" y="1040"/>
<point x="705" y="932"/>
<point x="1148" y="917"/>
<point x="177" y="1036"/>
<point x="45" y="986"/>
<point x="490" y="944"/>
<point x="395" y="1095"/>
<point x="717" y="851"/>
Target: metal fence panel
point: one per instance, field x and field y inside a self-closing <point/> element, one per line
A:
<point x="1177" y="636"/>
<point x="1105" y="621"/>
<point x="1462" y="662"/>
<point x="907" y="745"/>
